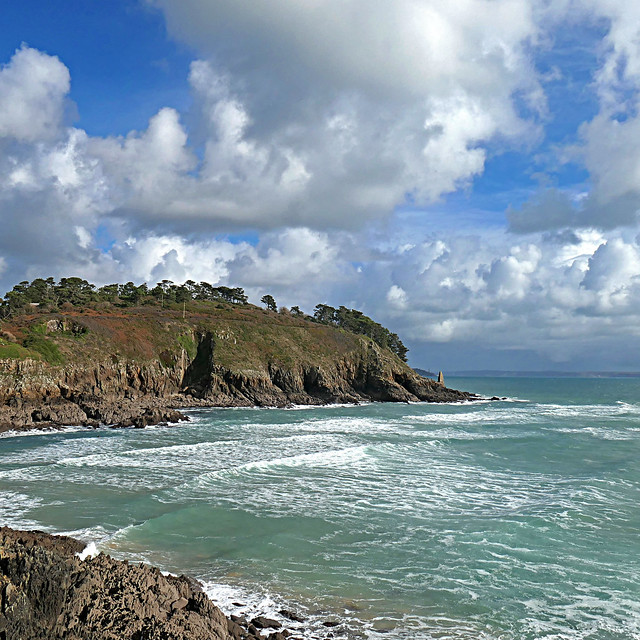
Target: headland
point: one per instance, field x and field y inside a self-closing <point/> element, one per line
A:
<point x="135" y="365"/>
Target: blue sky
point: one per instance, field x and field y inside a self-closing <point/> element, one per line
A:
<point x="123" y="65"/>
<point x="466" y="174"/>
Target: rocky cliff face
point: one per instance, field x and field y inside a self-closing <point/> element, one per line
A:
<point x="365" y="373"/>
<point x="47" y="593"/>
<point x="230" y="362"/>
<point x="35" y="394"/>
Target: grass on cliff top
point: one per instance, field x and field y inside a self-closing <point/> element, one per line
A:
<point x="246" y="337"/>
<point x="10" y="350"/>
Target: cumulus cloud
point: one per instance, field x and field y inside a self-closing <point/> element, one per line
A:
<point x="33" y="88"/>
<point x="312" y="121"/>
<point x="406" y="48"/>
<point x="614" y="276"/>
<point x="551" y="297"/>
<point x="330" y="113"/>
<point x="608" y="145"/>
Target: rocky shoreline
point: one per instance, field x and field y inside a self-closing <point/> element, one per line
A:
<point x="37" y="395"/>
<point x="49" y="591"/>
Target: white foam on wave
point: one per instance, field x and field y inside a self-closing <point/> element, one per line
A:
<point x="585" y="410"/>
<point x="89" y="551"/>
<point x="348" y="425"/>
<point x="91" y="535"/>
<point x="242" y="601"/>
<point x="43" y="432"/>
<point x="142" y="457"/>
<point x="14" y="508"/>
<point x="337" y="405"/>
<point x="335" y="458"/>
<point x="453" y="433"/>
<point x="601" y="433"/>
<point x="492" y="415"/>
<point x="248" y="603"/>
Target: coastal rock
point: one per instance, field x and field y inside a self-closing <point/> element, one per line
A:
<point x="285" y="613"/>
<point x="47" y="592"/>
<point x="265" y="623"/>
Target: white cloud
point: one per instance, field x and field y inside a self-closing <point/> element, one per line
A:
<point x="614" y="275"/>
<point x="609" y="143"/>
<point x="153" y="258"/>
<point x="549" y="297"/>
<point x="369" y="124"/>
<point x="509" y="276"/>
<point x="409" y="47"/>
<point x="146" y="171"/>
<point x="33" y="88"/>
<point x="334" y="114"/>
<point x="328" y="114"/>
<point x="397" y="297"/>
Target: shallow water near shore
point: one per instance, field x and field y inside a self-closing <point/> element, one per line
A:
<point x="506" y="520"/>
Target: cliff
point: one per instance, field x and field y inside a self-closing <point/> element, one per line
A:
<point x="47" y="592"/>
<point x="132" y="367"/>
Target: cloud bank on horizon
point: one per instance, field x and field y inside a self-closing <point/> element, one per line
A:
<point x="467" y="173"/>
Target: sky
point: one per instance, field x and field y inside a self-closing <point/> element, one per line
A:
<point x="466" y="173"/>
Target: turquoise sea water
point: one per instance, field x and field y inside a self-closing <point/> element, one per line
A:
<point x="517" y="519"/>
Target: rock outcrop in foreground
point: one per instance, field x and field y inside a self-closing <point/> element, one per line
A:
<point x="48" y="593"/>
<point x="137" y="366"/>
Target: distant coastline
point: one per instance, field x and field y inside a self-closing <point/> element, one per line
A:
<point x="489" y="373"/>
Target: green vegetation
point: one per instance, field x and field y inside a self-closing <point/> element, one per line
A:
<point x="71" y="294"/>
<point x="77" y="292"/>
<point x="13" y="351"/>
<point x="269" y="302"/>
<point x="356" y="322"/>
<point x="188" y="344"/>
<point x="36" y="340"/>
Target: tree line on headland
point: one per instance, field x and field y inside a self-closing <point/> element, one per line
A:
<point x="45" y="294"/>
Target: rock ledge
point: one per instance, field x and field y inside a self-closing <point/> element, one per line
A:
<point x="48" y="593"/>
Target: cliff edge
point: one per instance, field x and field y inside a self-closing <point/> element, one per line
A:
<point x="137" y="366"/>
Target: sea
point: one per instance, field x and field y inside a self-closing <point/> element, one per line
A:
<point x="515" y="519"/>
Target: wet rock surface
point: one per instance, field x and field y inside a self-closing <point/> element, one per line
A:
<point x="48" y="592"/>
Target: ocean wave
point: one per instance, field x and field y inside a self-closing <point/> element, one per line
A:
<point x="585" y="410"/>
<point x="601" y="433"/>
<point x="15" y="508"/>
<point x="251" y="603"/>
<point x="332" y="458"/>
<point x="141" y="457"/>
<point x="42" y="432"/>
<point x="493" y="415"/>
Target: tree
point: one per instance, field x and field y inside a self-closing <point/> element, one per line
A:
<point x="269" y="302"/>
<point x="109" y="292"/>
<point x="41" y="291"/>
<point x="75" y="290"/>
<point x="295" y="311"/>
<point x="238" y="296"/>
<point x="205" y="291"/>
<point x="324" y="313"/>
<point x="131" y="294"/>
<point x="182" y="293"/>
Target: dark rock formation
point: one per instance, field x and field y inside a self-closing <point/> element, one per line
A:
<point x="34" y="394"/>
<point x="48" y="593"/>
